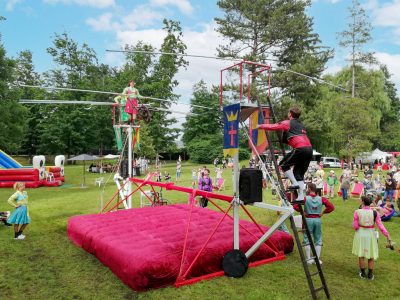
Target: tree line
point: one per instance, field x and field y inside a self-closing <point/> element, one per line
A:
<point x="267" y="31"/>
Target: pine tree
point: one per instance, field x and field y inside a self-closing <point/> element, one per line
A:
<point x="274" y="30"/>
<point x="356" y="37"/>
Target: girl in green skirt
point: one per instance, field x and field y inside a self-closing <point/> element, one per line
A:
<point x="365" y="244"/>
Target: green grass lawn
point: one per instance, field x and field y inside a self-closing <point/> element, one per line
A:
<point x="47" y="265"/>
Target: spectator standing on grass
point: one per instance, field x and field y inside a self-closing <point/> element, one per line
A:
<point x="378" y="183"/>
<point x="178" y="172"/>
<point x="308" y="180"/>
<point x="194" y="171"/>
<point x="331" y="182"/>
<point x="320" y="172"/>
<point x="224" y="164"/>
<point x="365" y="244"/>
<point x="347" y="171"/>
<point x="344" y="186"/>
<point x="20" y="216"/>
<point x="390" y="187"/>
<point x="396" y="175"/>
<point x="205" y="184"/>
<point x="219" y="174"/>
<point x="319" y="183"/>
<point x="368" y="171"/>
<point x="216" y="162"/>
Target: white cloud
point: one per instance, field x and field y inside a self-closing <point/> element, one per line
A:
<point x="183" y="5"/>
<point x="141" y="16"/>
<point x="387" y="14"/>
<point x="393" y="64"/>
<point x="91" y="3"/>
<point x="11" y="3"/>
<point x="372" y="4"/>
<point x="103" y="23"/>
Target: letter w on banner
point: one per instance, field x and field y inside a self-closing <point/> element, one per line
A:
<point x="258" y="137"/>
<point x="231" y="129"/>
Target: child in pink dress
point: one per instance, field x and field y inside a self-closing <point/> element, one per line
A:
<point x="365" y="244"/>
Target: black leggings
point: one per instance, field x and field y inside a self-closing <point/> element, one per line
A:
<point x="319" y="192"/>
<point x="299" y="158"/>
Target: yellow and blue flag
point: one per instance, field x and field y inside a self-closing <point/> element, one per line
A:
<point x="231" y="129"/>
<point x="258" y="137"/>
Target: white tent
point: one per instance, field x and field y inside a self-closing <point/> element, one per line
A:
<point x="316" y="153"/>
<point x="110" y="156"/>
<point x="378" y="154"/>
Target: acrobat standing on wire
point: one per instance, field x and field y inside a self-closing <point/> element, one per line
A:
<point x="294" y="134"/>
<point x="129" y="103"/>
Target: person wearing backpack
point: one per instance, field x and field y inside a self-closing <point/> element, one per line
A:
<point x="331" y="182"/>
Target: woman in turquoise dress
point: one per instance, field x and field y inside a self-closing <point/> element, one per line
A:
<point x="19" y="200"/>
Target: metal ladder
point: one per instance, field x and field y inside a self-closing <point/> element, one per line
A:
<point x="296" y="232"/>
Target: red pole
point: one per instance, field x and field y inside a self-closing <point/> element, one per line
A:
<point x="113" y="197"/>
<point x="248" y="88"/>
<point x="155" y="194"/>
<point x="202" y="249"/>
<point x="248" y="231"/>
<point x="221" y="88"/>
<point x="113" y="115"/>
<point x="185" y="243"/>
<point x="145" y="194"/>
<point x="269" y="80"/>
<point x="269" y="242"/>
<point x="124" y="199"/>
<point x="241" y="84"/>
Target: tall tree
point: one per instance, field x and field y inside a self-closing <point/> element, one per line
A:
<point x="277" y="30"/>
<point x="68" y="128"/>
<point x="355" y="38"/>
<point x="25" y="74"/>
<point x="12" y="114"/>
<point x="210" y="121"/>
<point x="354" y="125"/>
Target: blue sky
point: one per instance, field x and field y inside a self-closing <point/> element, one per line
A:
<point x="108" y="24"/>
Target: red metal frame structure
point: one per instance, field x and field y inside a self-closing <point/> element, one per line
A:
<point x="266" y="68"/>
<point x="182" y="278"/>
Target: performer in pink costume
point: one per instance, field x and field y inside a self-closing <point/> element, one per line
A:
<point x="131" y="103"/>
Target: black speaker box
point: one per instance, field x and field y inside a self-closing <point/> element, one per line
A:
<point x="250" y="185"/>
<point x="124" y="169"/>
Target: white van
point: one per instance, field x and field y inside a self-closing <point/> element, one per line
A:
<point x="330" y="162"/>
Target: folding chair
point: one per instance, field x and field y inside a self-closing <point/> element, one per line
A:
<point x="220" y="185"/>
<point x="143" y="199"/>
<point x="358" y="190"/>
